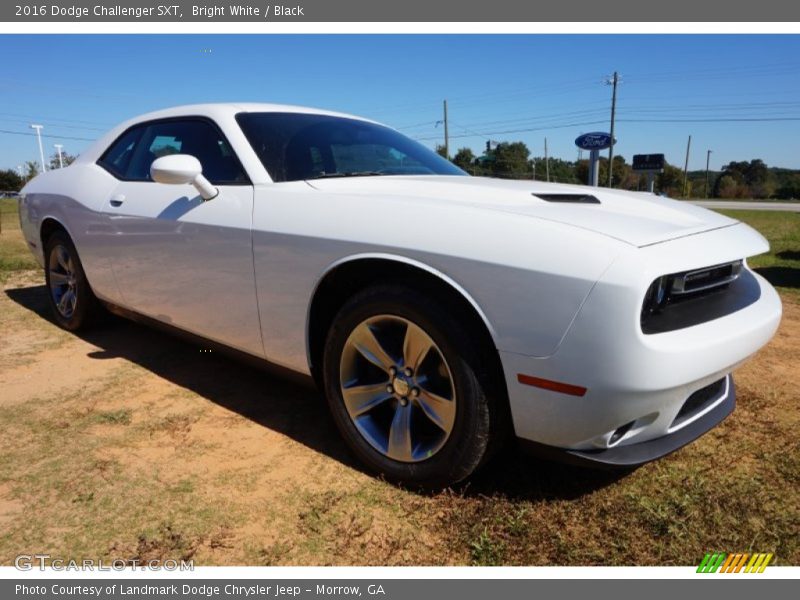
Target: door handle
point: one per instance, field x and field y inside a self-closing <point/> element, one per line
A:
<point x="117" y="200"/>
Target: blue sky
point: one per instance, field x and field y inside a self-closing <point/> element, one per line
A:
<point x="499" y="87"/>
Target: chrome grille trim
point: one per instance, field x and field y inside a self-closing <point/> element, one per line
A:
<point x="715" y="276"/>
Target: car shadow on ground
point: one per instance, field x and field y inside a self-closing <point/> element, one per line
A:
<point x="788" y="254"/>
<point x="788" y="277"/>
<point x="298" y="411"/>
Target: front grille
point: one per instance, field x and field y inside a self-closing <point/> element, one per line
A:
<point x="690" y="298"/>
<point x="698" y="401"/>
<point x="705" y="279"/>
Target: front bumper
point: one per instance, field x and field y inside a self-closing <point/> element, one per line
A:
<point x="633" y="455"/>
<point x="636" y="384"/>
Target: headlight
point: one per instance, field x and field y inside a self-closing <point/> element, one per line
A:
<point x="684" y="287"/>
<point x="656" y="297"/>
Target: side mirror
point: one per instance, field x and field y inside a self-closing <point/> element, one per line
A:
<point x="180" y="169"/>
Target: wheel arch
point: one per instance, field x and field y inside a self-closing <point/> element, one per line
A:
<point x="49" y="225"/>
<point x="348" y="275"/>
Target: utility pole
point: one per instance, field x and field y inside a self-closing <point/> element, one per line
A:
<point x="708" y="161"/>
<point x="38" y="129"/>
<point x="613" y="82"/>
<point x="446" y="134"/>
<point x="546" y="161"/>
<point x="58" y="148"/>
<point x="686" y="166"/>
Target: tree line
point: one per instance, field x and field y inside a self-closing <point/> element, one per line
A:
<point x="13" y="181"/>
<point x="513" y="160"/>
<point x="745" y="179"/>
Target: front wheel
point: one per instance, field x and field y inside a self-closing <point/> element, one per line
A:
<point x="404" y="383"/>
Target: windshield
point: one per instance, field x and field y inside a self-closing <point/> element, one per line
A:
<point x="297" y="146"/>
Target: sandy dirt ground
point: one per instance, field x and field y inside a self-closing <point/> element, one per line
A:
<point x="126" y="442"/>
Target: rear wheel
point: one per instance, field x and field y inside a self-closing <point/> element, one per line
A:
<point x="71" y="298"/>
<point x="405" y="386"/>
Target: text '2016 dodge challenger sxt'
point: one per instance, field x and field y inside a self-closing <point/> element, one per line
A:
<point x="441" y="314"/>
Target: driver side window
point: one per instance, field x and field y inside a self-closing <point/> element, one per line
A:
<point x="131" y="156"/>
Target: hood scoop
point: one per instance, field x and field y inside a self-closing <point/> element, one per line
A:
<point x="568" y="198"/>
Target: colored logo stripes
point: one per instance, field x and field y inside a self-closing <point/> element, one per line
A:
<point x="734" y="563"/>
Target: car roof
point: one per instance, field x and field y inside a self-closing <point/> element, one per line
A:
<point x="232" y="108"/>
<point x="219" y="112"/>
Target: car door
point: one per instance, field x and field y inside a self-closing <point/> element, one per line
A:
<point x="175" y="257"/>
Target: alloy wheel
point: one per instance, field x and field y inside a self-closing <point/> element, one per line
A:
<point x="397" y="388"/>
<point x="63" y="281"/>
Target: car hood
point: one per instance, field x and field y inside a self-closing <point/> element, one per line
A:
<point x="637" y="218"/>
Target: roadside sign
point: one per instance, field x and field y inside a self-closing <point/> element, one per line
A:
<point x="648" y="162"/>
<point x="596" y="140"/>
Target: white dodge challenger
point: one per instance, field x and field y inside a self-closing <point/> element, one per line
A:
<point x="441" y="314"/>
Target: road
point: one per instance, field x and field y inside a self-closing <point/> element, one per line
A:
<point x="726" y="204"/>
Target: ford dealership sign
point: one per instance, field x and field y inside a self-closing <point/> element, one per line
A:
<point x="593" y="141"/>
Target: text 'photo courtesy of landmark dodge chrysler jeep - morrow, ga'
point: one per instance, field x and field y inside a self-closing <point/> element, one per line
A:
<point x="441" y="314"/>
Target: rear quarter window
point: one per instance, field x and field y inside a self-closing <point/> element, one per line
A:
<point x="118" y="156"/>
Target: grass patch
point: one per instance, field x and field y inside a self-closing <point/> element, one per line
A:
<point x="781" y="265"/>
<point x="486" y="551"/>
<point x="121" y="416"/>
<point x="14" y="252"/>
<point x="89" y="502"/>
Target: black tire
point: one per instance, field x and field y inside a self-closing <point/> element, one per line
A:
<point x="479" y="422"/>
<point x="86" y="307"/>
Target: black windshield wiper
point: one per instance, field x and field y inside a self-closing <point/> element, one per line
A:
<point x="347" y="174"/>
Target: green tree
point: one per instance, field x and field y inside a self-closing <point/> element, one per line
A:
<point x="727" y="187"/>
<point x="10" y="181"/>
<point x="31" y="169"/>
<point x="757" y="172"/>
<point x="66" y="157"/>
<point x="620" y="172"/>
<point x="790" y="190"/>
<point x="440" y="150"/>
<point x="670" y="182"/>
<point x="753" y="180"/>
<point x="465" y="159"/>
<point x="511" y="161"/>
<point x="582" y="171"/>
<point x="561" y="171"/>
<point x="623" y="175"/>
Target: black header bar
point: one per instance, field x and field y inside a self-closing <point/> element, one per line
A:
<point x="470" y="11"/>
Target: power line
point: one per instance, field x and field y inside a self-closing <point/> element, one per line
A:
<point x="715" y="120"/>
<point x="415" y="125"/>
<point x="715" y="106"/>
<point x="472" y="131"/>
<point x="582" y="124"/>
<point x="56" y="125"/>
<point x="773" y="109"/>
<point x="542" y="117"/>
<point x="575" y="84"/>
<point x="527" y="129"/>
<point x="672" y="111"/>
<point x="52" y="119"/>
<point x="531" y="120"/>
<point x="623" y="115"/>
<point x="56" y="137"/>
